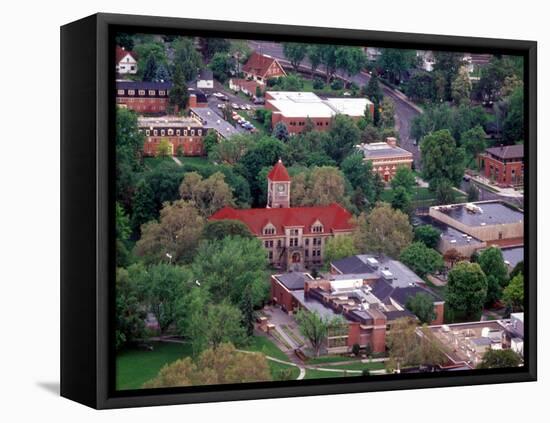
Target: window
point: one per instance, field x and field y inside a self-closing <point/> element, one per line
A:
<point x="162" y="92"/>
<point x="120" y="92"/>
<point x="155" y="132"/>
<point x="306" y="253"/>
<point x="270" y="255"/>
<point x="185" y="132"/>
<point x="192" y="132"/>
<point x="131" y="92"/>
<point x="170" y="132"/>
<point x="279" y="243"/>
<point x="307" y="241"/>
<point x="152" y="93"/>
<point x="199" y="132"/>
<point x="141" y="92"/>
<point x="147" y="132"/>
<point x="162" y="132"/>
<point x="317" y="228"/>
<point x="178" y="132"/>
<point x="269" y="230"/>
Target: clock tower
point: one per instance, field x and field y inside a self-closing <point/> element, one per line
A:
<point x="278" y="186"/>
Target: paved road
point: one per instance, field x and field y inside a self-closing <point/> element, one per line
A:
<point x="403" y="110"/>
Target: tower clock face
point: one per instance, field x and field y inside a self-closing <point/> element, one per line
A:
<point x="280" y="188"/>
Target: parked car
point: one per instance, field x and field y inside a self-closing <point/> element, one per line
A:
<point x="258" y="100"/>
<point x="235" y="106"/>
<point x="221" y="106"/>
<point x="224" y="98"/>
<point x="247" y="107"/>
<point x="242" y="107"/>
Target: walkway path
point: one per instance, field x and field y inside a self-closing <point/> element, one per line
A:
<point x="178" y="161"/>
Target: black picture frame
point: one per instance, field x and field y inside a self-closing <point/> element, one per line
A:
<point x="87" y="212"/>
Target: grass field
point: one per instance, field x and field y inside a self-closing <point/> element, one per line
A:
<point x="358" y="366"/>
<point x="153" y="162"/>
<point x="330" y="359"/>
<point x="320" y="374"/>
<point x="277" y="368"/>
<point x="195" y="161"/>
<point x="264" y="345"/>
<point x="135" y="367"/>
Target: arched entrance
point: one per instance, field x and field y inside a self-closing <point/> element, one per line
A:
<point x="295" y="258"/>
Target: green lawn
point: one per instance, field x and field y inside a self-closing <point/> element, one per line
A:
<point x="264" y="345"/>
<point x="195" y="161"/>
<point x="358" y="366"/>
<point x="134" y="367"/>
<point x="319" y="374"/>
<point x="277" y="368"/>
<point x="330" y="359"/>
<point x="153" y="162"/>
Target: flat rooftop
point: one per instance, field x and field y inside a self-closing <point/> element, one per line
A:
<point x="307" y="104"/>
<point x="210" y="119"/>
<point x="450" y="234"/>
<point x="512" y="256"/>
<point x="486" y="213"/>
<point x="378" y="150"/>
<point x="293" y="280"/>
<point x="168" y="122"/>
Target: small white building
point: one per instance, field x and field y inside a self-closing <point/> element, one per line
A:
<point x="126" y="62"/>
<point x="205" y="79"/>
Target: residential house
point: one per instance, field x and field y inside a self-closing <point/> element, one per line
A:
<point x="126" y="62"/>
<point x="261" y="67"/>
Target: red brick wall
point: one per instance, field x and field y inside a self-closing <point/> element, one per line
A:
<point x="375" y="337"/>
<point x="192" y="146"/>
<point x="282" y="296"/>
<point x="501" y="173"/>
<point x="439" y="314"/>
<point x="144" y="105"/>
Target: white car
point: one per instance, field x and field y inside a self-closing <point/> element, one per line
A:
<point x="235" y="106"/>
<point x="242" y="107"/>
<point x="247" y="107"/>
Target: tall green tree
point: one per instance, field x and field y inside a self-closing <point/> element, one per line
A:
<point x="448" y="64"/>
<point x="227" y="267"/>
<point x="350" y="59"/>
<point x="345" y="136"/>
<point x="492" y="263"/>
<point x="314" y="56"/>
<point x="365" y="183"/>
<point x="150" y="71"/>
<point x="466" y="289"/>
<point x="422" y="306"/>
<point x="394" y="62"/>
<point x="130" y="315"/>
<point x="314" y="327"/>
<point x="328" y="59"/>
<point x="442" y="159"/>
<point x="224" y="324"/>
<point x="339" y="247"/>
<point x="427" y="234"/>
<point x="421" y="259"/>
<point x="498" y="359"/>
<point x="513" y="126"/>
<point x="295" y="53"/>
<point x="461" y="87"/>
<point x="514" y="294"/>
<point x="179" y="94"/>
<point x="474" y="142"/>
<point x="281" y="132"/>
<point x="216" y="230"/>
<point x="186" y="58"/>
<point x="221" y="66"/>
<point x="383" y="231"/>
<point x="143" y="206"/>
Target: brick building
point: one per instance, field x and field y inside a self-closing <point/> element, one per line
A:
<point x="503" y="165"/>
<point x="261" y="67"/>
<point x="294" y="237"/>
<point x="183" y="133"/>
<point x="294" y="108"/>
<point x="367" y="300"/>
<point x="386" y="157"/>
<point x="143" y="97"/>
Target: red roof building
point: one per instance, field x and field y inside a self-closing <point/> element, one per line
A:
<point x="261" y="67"/>
<point x="294" y="237"/>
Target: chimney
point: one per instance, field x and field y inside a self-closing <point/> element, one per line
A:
<point x="391" y="141"/>
<point x="193" y="100"/>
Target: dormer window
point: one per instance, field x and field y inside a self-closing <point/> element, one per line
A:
<point x="269" y="229"/>
<point x="317" y="227"/>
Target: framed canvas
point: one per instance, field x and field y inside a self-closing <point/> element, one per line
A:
<point x="258" y="211"/>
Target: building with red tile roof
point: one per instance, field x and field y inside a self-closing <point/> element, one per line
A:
<point x="294" y="237"/>
<point x="261" y="67"/>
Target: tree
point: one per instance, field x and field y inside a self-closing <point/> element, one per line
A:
<point x="448" y="64"/>
<point x="186" y="58"/>
<point x="125" y="40"/>
<point x="491" y="85"/>
<point x="498" y="359"/>
<point x="314" y="56"/>
<point x="328" y="59"/>
<point x="179" y="94"/>
<point x="442" y="160"/>
<point x="213" y="367"/>
<point x="395" y="61"/>
<point x="401" y="200"/>
<point x="174" y="237"/>
<point x="372" y="90"/>
<point x="444" y="193"/>
<point x="404" y="177"/>
<point x="351" y="60"/>
<point x="327" y="186"/>
<point x="427" y="234"/>
<point x="208" y="195"/>
<point x="492" y="263"/>
<point x="130" y="316"/>
<point x="162" y="74"/>
<point x="162" y="286"/>
<point x="339" y="247"/>
<point x="474" y="142"/>
<point x="518" y="268"/>
<point x="209" y="142"/>
<point x="144" y="50"/>
<point x="211" y="46"/>
<point x="123" y="231"/>
<point x="164" y="148"/>
<point x="383" y="231"/>
<point x="226" y="267"/>
<point x="466" y="289"/>
<point x="345" y="136"/>
<point x="223" y="325"/>
<point x="219" y="229"/>
<point x="461" y="87"/>
<point x="422" y="305"/>
<point x="295" y="53"/>
<point x="513" y="126"/>
<point x="421" y="87"/>
<point x="247" y="308"/>
<point x="221" y="66"/>
<point x="281" y="132"/>
<point x="128" y="146"/>
<point x="406" y="347"/>
<point x="232" y="150"/>
<point x="314" y="327"/>
<point x="150" y="71"/>
<point x="366" y="184"/>
<point x="387" y="114"/>
<point x="143" y="206"/>
<point x="513" y="295"/>
<point x="421" y="259"/>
